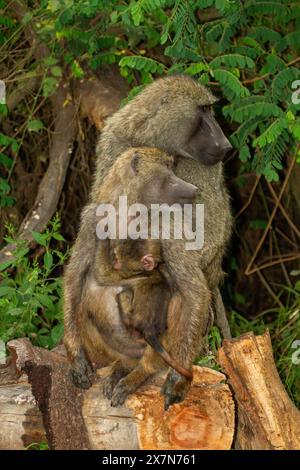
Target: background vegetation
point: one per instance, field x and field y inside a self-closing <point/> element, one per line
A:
<point x="247" y="52"/>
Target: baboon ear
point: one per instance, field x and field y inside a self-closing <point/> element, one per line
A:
<point x="148" y="262"/>
<point x="134" y="162"/>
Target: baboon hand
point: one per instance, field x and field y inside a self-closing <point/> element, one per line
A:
<point x="175" y="388"/>
<point x="81" y="373"/>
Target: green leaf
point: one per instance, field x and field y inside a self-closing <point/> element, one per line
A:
<point x="194" y="69"/>
<point x="297" y="286"/>
<point x="295" y="129"/>
<point x="5" y="161"/>
<point x="35" y="125"/>
<point x="44" y="299"/>
<point x="15" y="311"/>
<point x="49" y="86"/>
<point x="231" y="85"/>
<point x="48" y="260"/>
<point x="57" y="333"/>
<point x="232" y="60"/>
<point x="245" y="153"/>
<point x="40" y="238"/>
<point x="77" y="70"/>
<point x="6" y="291"/>
<point x="50" y="60"/>
<point x="271" y="133"/>
<point x="56" y="71"/>
<point x="58" y="237"/>
<point x="6" y="264"/>
<point x="142" y="64"/>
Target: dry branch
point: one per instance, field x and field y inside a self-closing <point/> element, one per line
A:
<point x="54" y="178"/>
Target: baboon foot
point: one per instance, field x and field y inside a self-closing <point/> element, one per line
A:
<point x="82" y="373"/>
<point x="121" y="392"/>
<point x="175" y="388"/>
<point x="110" y="382"/>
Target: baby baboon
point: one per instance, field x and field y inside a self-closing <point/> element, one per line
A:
<point x="174" y="114"/>
<point x="144" y="305"/>
<point x="93" y="333"/>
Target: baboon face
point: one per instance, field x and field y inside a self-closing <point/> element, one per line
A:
<point x="206" y="141"/>
<point x="166" y="188"/>
<point x="159" y="183"/>
<point x="175" y="114"/>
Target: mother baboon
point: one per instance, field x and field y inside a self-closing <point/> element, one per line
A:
<point x="174" y="114"/>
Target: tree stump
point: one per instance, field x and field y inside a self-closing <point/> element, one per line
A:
<point x="267" y="418"/>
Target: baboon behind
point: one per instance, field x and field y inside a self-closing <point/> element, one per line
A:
<point x="174" y="114"/>
<point x="145" y="176"/>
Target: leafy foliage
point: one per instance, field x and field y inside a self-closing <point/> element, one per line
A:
<point x="30" y="294"/>
<point x="248" y="51"/>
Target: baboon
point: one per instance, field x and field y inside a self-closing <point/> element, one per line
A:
<point x="144" y="305"/>
<point x="174" y="114"/>
<point x="145" y="176"/>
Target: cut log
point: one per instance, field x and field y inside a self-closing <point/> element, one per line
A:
<point x="21" y="419"/>
<point x="58" y="399"/>
<point x="77" y="420"/>
<point x="267" y="418"/>
<point x="205" y="420"/>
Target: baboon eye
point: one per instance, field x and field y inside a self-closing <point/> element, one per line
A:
<point x="206" y="108"/>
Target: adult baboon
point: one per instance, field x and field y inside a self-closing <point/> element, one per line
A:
<point x="145" y="176"/>
<point x="174" y="114"/>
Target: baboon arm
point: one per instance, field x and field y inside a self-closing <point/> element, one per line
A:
<point x="188" y="325"/>
<point x="74" y="279"/>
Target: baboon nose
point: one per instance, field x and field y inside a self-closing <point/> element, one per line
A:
<point x="196" y="190"/>
<point x="225" y="149"/>
<point x="228" y="147"/>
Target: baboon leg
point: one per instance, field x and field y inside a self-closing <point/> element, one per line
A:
<point x="147" y="366"/>
<point x="220" y="314"/>
<point x="187" y="328"/>
<point x="81" y="371"/>
<point x="119" y="370"/>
